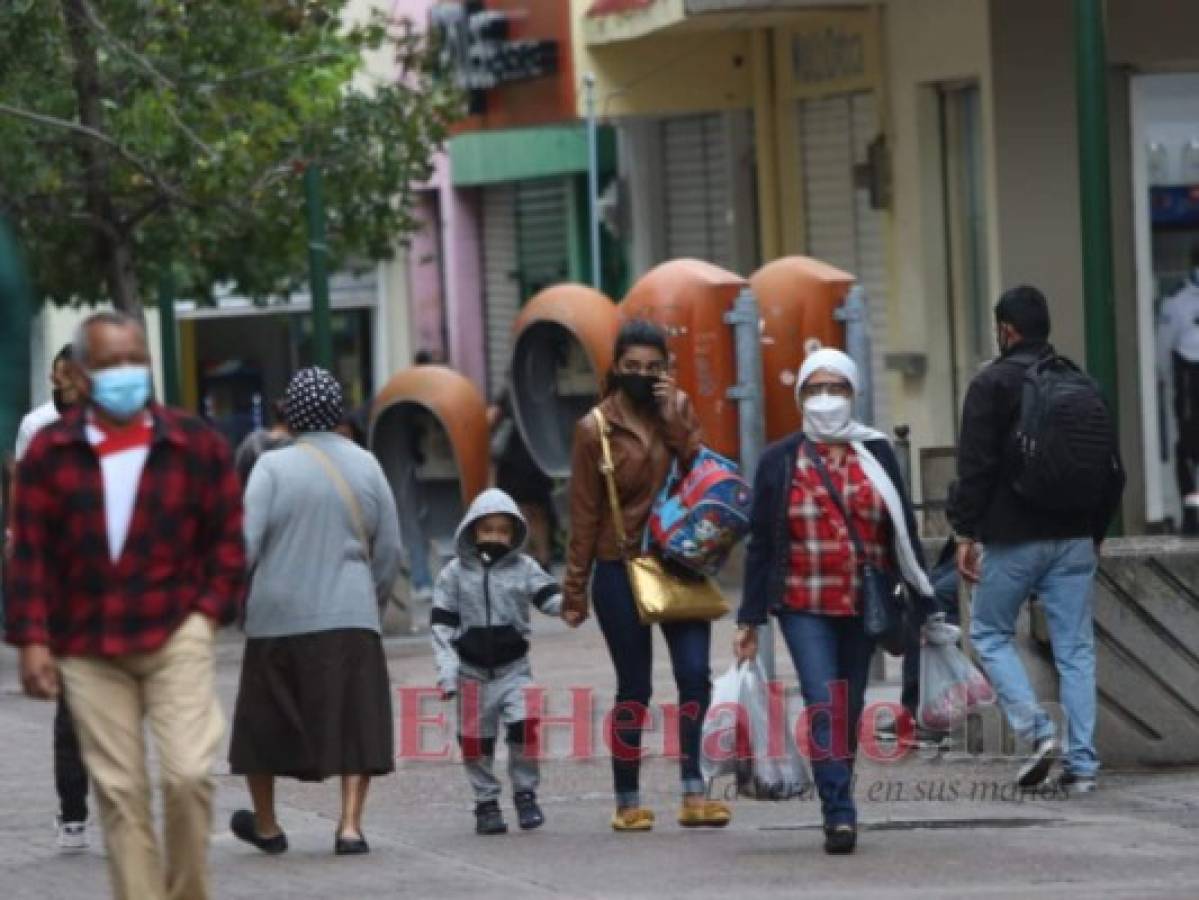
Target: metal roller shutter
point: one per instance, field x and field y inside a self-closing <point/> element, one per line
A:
<point x="501" y="285"/>
<point x="841" y="227"/>
<point x="526" y="247"/>
<point x="696" y="188"/>
<point x="543" y="233"/>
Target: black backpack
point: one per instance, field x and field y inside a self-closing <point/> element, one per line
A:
<point x="1064" y="441"/>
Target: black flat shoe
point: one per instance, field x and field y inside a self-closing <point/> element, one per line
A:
<point x="840" y="840"/>
<point x="351" y="846"/>
<point x="244" y="828"/>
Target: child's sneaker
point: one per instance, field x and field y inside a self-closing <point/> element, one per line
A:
<point x="528" y="812"/>
<point x="489" y="819"/>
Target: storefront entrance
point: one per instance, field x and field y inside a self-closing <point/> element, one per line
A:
<point x="236" y="363"/>
<point x="1165" y="153"/>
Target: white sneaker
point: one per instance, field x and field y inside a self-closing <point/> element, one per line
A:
<point x="72" y="836"/>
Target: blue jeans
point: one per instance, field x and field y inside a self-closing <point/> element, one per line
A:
<point x="630" y="644"/>
<point x="1062" y="575"/>
<point x="832" y="658"/>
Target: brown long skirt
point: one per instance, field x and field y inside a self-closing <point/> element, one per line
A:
<point x="314" y="705"/>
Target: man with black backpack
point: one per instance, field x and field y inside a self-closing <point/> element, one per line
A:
<point x="1039" y="482"/>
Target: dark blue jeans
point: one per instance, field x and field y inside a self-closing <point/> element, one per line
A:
<point x="630" y="644"/>
<point x="832" y="658"/>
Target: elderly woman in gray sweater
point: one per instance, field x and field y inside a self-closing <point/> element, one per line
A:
<point x="322" y="539"/>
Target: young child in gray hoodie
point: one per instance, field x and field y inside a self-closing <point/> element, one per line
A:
<point x="480" y="623"/>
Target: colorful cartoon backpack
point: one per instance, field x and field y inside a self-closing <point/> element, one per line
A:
<point x="700" y="516"/>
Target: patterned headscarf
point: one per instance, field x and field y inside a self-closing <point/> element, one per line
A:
<point x="313" y="401"/>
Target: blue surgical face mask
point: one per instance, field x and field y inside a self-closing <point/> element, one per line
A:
<point x="122" y="391"/>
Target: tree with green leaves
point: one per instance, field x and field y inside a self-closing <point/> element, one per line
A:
<point x="137" y="135"/>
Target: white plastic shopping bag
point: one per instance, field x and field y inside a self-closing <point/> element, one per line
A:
<point x="950" y="684"/>
<point x="722" y="731"/>
<point x="742" y="737"/>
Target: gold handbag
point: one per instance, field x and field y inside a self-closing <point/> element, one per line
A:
<point x="660" y="595"/>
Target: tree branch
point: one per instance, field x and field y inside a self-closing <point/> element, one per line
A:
<point x="156" y="203"/>
<point x="95" y="21"/>
<point x="155" y="73"/>
<point x="266" y="70"/>
<point x="97" y="136"/>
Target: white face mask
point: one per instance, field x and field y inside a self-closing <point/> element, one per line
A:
<point x="826" y="415"/>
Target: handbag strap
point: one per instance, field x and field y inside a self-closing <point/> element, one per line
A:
<point x="609" y="472"/>
<point x="814" y="455"/>
<point x="343" y="488"/>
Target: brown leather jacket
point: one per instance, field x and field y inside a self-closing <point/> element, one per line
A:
<point x="641" y="470"/>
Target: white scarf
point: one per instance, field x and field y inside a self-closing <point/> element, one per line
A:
<point x="856" y="435"/>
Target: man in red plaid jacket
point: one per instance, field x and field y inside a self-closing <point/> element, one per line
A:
<point x="127" y="555"/>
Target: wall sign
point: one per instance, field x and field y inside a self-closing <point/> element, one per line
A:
<point x="474" y="45"/>
<point x="832" y="53"/>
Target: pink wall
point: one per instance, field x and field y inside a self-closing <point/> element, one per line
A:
<point x="458" y="297"/>
<point x="426" y="292"/>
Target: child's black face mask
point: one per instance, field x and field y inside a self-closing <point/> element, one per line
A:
<point x="492" y="552"/>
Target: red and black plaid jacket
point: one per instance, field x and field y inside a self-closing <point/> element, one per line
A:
<point x="184" y="553"/>
<point x="825" y="575"/>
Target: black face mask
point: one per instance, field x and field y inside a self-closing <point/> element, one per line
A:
<point x="639" y="389"/>
<point x="492" y="552"/>
<point x="59" y="403"/>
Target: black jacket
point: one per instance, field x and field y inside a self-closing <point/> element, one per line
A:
<point x="983" y="505"/>
<point x="768" y="555"/>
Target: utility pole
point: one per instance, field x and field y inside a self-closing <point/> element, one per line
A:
<point x="593" y="181"/>
<point x="318" y="256"/>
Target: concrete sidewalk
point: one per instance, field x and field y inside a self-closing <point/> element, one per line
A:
<point x="941" y="827"/>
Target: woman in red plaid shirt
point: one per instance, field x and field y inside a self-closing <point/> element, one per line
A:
<point x="803" y="565"/>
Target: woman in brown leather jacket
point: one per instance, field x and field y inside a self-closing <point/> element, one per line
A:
<point x="651" y="424"/>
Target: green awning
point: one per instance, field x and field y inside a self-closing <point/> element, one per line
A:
<point x="495" y="157"/>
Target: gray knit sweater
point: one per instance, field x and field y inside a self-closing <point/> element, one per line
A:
<point x="310" y="570"/>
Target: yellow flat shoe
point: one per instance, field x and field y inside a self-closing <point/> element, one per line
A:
<point x="709" y="814"/>
<point x="634" y="819"/>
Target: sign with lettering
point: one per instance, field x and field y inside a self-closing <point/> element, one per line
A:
<point x="474" y="45"/>
<point x="834" y="54"/>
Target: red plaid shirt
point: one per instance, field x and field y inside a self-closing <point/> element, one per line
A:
<point x="824" y="573"/>
<point x="184" y="552"/>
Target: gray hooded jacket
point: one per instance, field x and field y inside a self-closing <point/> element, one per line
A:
<point x="481" y="611"/>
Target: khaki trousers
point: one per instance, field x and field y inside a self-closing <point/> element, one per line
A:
<point x="172" y="689"/>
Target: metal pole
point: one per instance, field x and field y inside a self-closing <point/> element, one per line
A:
<point x="593" y="181"/>
<point x="318" y="254"/>
<point x="1094" y="174"/>
<point x="749" y="394"/>
<point x="855" y="313"/>
<point x="169" y="337"/>
<point x="1095" y="200"/>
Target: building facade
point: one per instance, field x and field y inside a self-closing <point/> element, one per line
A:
<point x="508" y="211"/>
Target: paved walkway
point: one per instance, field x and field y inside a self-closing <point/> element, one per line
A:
<point x="941" y="827"/>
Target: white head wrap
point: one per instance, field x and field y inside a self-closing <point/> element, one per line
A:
<point x="831" y="360"/>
